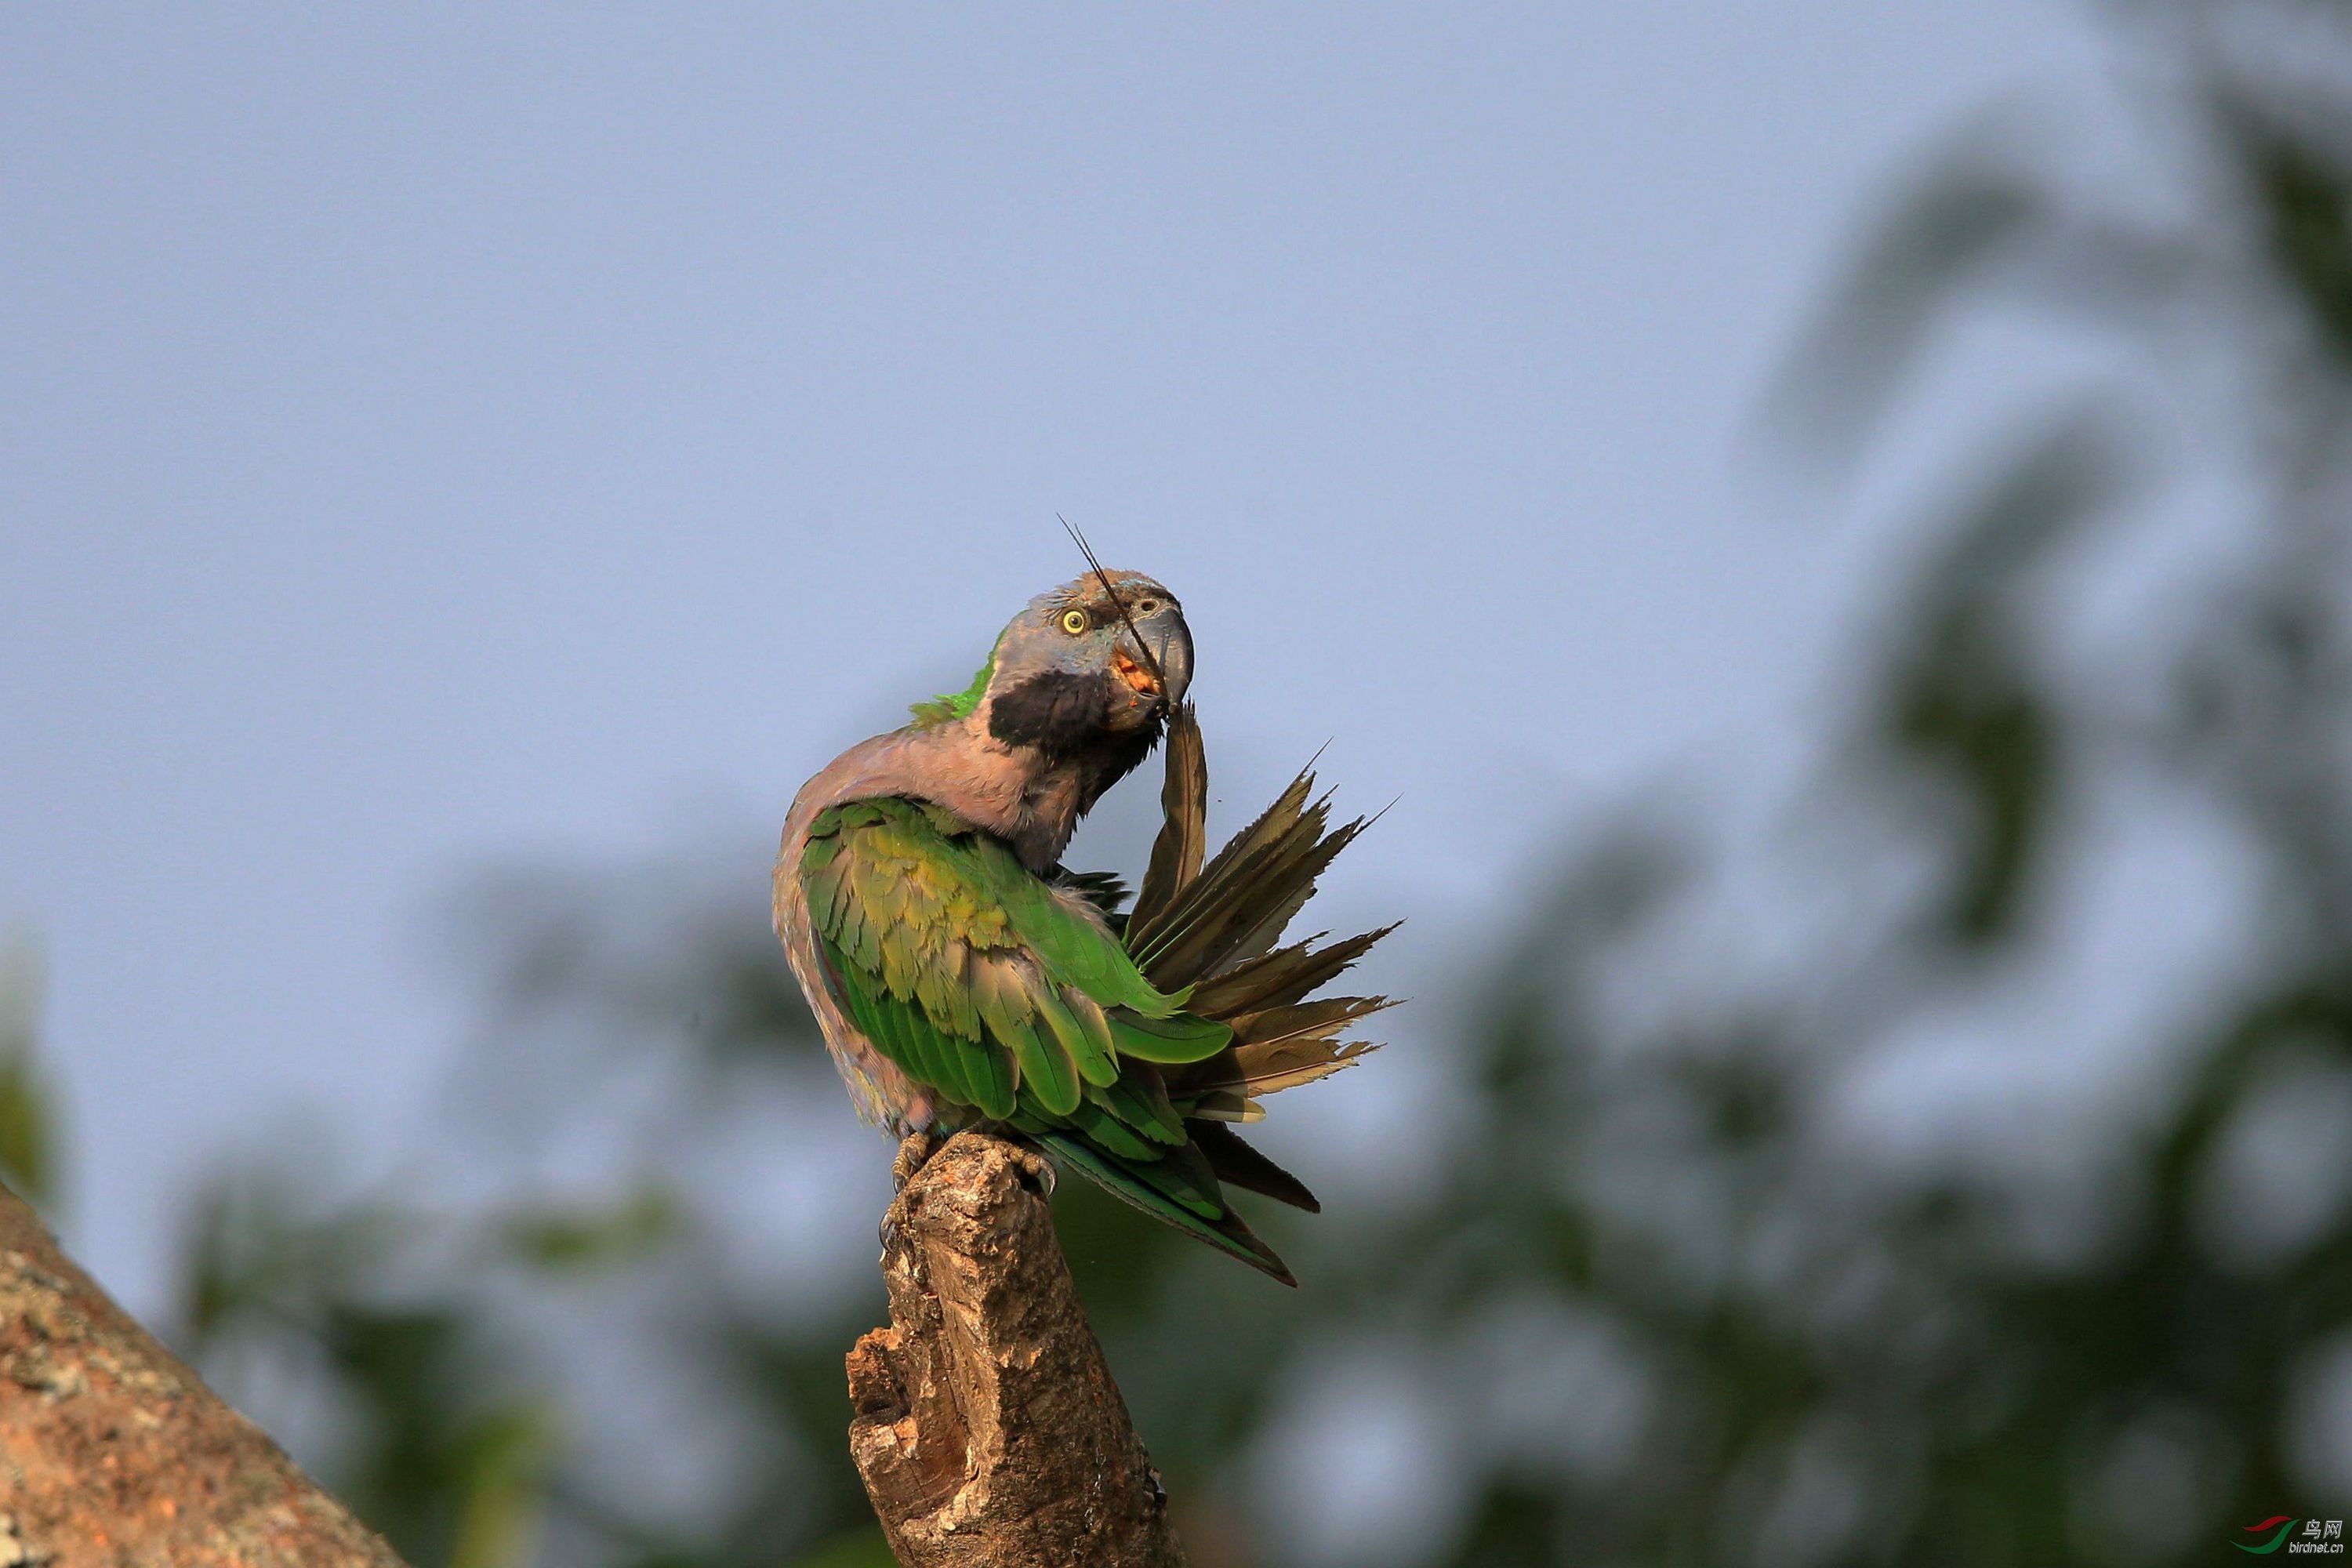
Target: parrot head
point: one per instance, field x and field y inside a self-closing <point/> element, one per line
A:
<point x="1093" y="666"/>
<point x="1096" y="663"/>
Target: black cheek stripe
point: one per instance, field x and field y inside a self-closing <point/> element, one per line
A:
<point x="1058" y="712"/>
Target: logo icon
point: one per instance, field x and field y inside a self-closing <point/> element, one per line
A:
<point x="2317" y="1535"/>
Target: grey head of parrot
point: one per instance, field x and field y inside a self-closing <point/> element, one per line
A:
<point x="1092" y="666"/>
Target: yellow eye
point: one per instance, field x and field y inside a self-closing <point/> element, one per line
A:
<point x="1075" y="621"/>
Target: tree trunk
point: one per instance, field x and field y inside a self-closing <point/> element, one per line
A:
<point x="988" y="1429"/>
<point x="113" y="1453"/>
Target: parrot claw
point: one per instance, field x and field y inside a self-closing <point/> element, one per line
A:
<point x="1038" y="1168"/>
<point x="913" y="1151"/>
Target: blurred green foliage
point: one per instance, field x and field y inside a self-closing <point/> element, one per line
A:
<point x="28" y="1116"/>
<point x="1703" y="1271"/>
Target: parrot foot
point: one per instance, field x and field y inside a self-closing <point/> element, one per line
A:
<point x="1039" y="1169"/>
<point x="913" y="1149"/>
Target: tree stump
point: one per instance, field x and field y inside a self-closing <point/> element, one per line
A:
<point x="988" y="1429"/>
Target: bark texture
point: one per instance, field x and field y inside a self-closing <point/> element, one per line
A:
<point x="114" y="1455"/>
<point x="988" y="1429"/>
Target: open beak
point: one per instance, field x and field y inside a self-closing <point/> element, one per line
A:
<point x="1167" y="671"/>
<point x="1140" y="678"/>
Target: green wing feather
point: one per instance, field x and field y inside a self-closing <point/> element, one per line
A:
<point x="997" y="992"/>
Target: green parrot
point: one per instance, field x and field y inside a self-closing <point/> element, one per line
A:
<point x="964" y="979"/>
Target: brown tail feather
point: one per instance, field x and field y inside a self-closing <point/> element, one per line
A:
<point x="1237" y="1164"/>
<point x="1281" y="977"/>
<point x="1318" y="1019"/>
<point x="1237" y="909"/>
<point x="1244" y="847"/>
<point x="1214" y="927"/>
<point x="1256" y="937"/>
<point x="1184" y="821"/>
<point x="1248" y="1071"/>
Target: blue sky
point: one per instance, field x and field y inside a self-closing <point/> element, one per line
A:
<point x="446" y="434"/>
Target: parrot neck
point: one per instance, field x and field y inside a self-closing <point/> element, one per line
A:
<point x="1027" y="796"/>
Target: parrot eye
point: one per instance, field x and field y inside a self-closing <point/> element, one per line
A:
<point x="1073" y="621"/>
<point x="1148" y="605"/>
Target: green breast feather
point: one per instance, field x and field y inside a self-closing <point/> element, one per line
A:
<point x="1122" y="1046"/>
